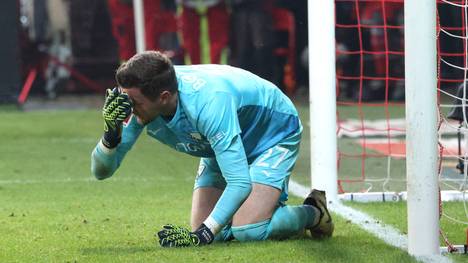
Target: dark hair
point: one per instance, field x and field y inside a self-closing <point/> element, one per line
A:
<point x="151" y="71"/>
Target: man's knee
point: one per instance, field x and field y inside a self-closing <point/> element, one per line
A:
<point x="251" y="232"/>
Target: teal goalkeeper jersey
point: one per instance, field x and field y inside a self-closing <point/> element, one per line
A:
<point x="224" y="113"/>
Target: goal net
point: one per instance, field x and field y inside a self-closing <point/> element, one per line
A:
<point x="370" y="90"/>
<point x="371" y="98"/>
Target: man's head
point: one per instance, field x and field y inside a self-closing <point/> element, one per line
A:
<point x="150" y="81"/>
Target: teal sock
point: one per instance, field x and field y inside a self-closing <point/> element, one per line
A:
<point x="288" y="221"/>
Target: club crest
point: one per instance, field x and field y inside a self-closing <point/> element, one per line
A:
<point x="196" y="136"/>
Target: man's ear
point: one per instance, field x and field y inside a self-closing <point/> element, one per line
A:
<point x="165" y="96"/>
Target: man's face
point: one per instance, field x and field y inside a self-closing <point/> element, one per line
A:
<point x="144" y="109"/>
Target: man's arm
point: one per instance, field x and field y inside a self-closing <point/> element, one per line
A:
<point x="218" y="121"/>
<point x="220" y="124"/>
<point x="117" y="140"/>
<point x="235" y="170"/>
<point x="105" y="161"/>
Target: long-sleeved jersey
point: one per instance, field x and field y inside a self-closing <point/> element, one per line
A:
<point x="223" y="112"/>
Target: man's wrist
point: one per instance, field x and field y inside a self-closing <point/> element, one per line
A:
<point x="110" y="143"/>
<point x="106" y="150"/>
<point x="111" y="138"/>
<point x="212" y="225"/>
<point x="204" y="234"/>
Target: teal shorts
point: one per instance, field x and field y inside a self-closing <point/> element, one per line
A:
<point x="273" y="167"/>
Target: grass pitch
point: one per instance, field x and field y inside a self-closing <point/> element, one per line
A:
<point x="53" y="210"/>
<point x="395" y="214"/>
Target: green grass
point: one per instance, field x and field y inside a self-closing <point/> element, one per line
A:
<point x="371" y="112"/>
<point x="52" y="210"/>
<point x="395" y="214"/>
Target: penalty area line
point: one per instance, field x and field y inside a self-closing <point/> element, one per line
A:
<point x="386" y="233"/>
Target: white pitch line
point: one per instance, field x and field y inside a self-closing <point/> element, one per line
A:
<point x="386" y="233"/>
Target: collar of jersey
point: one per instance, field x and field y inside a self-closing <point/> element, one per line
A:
<point x="176" y="116"/>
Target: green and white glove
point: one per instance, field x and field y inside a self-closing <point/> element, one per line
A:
<point x="117" y="108"/>
<point x="175" y="236"/>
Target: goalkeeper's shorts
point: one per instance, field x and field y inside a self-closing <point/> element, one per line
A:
<point x="273" y="167"/>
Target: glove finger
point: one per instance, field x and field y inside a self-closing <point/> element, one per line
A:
<point x="109" y="92"/>
<point x="116" y="91"/>
<point x="124" y="107"/>
<point x="122" y="112"/>
<point x="163" y="234"/>
<point x="124" y="97"/>
<point x="163" y="242"/>
<point x="114" y="98"/>
<point x="166" y="243"/>
<point x="120" y="102"/>
<point x="167" y="237"/>
<point x="166" y="231"/>
<point x="110" y="96"/>
<point x="109" y="106"/>
<point x="169" y="226"/>
<point x="107" y="98"/>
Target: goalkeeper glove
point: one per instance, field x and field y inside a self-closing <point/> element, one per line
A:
<point x="117" y="108"/>
<point x="174" y="236"/>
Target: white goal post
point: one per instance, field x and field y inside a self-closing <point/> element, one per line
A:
<point x="139" y="18"/>
<point x="322" y="97"/>
<point x="421" y="115"/>
<point x="421" y="127"/>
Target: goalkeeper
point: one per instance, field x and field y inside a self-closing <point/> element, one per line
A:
<point x="246" y="132"/>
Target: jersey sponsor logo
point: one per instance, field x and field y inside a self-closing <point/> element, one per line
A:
<point x="190" y="147"/>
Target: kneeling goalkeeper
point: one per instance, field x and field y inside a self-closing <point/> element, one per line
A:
<point x="246" y="132"/>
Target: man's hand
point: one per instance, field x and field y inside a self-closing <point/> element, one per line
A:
<point x="117" y="108"/>
<point x="175" y="236"/>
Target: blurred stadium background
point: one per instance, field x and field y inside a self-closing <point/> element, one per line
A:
<point x="59" y="47"/>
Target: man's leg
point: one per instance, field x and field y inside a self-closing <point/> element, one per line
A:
<point x="203" y="201"/>
<point x="261" y="218"/>
<point x="263" y="215"/>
